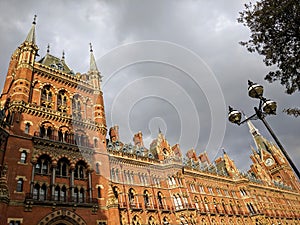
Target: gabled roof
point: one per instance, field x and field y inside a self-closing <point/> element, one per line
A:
<point x="55" y="63"/>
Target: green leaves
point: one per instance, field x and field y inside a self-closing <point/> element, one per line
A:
<point x="275" y="34"/>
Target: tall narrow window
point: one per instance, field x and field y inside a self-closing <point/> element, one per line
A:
<point x="97" y="168"/>
<point x="27" y="128"/>
<point x="20" y="185"/>
<point x="23" y="157"/>
<point x="56" y="193"/>
<point x="63" y="194"/>
<point x="43" y="192"/>
<point x="46" y="97"/>
<point x="62" y="101"/>
<point x="76" y="107"/>
<point x="81" y="195"/>
<point x="99" y="192"/>
<point x="95" y="143"/>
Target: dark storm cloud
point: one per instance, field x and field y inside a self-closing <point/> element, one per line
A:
<point x="208" y="28"/>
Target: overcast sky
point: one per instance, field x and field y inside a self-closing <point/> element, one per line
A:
<point x="173" y="65"/>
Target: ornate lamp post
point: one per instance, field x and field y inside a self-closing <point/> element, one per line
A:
<point x="266" y="107"/>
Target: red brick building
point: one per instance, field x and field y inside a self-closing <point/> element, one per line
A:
<point x="59" y="166"/>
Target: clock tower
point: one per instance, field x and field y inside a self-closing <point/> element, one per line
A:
<point x="272" y="163"/>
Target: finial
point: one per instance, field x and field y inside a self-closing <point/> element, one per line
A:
<point x="34" y="19"/>
<point x="48" y="48"/>
<point x="224" y="152"/>
<point x="91" y="47"/>
<point x="63" y="55"/>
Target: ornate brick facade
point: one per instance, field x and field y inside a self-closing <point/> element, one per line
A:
<point x="57" y="167"/>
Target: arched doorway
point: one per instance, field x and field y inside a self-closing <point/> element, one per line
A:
<point x="62" y="217"/>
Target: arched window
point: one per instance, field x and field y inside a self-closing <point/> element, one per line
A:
<point x="63" y="194"/>
<point x="42" y="165"/>
<point x="136" y="220"/>
<point x="215" y="205"/>
<point x="62" y="168"/>
<point x="99" y="192"/>
<point x="46" y="97"/>
<point x="160" y="199"/>
<point x="20" y="185"/>
<point x="57" y="193"/>
<point x="81" y="195"/>
<point x="183" y="221"/>
<point x="60" y="135"/>
<point x="151" y="221"/>
<point x="76" y="195"/>
<point x="27" y="128"/>
<point x="131" y="196"/>
<point x="223" y="206"/>
<point x="76" y="107"/>
<point x="179" y="202"/>
<point x="196" y="202"/>
<point x="97" y="168"/>
<point x="36" y="191"/>
<point x="80" y="169"/>
<point x="62" y="101"/>
<point x="43" y="192"/>
<point x="117" y="175"/>
<point x="95" y="143"/>
<point x="112" y="174"/>
<point x="206" y="205"/>
<point x="116" y="193"/>
<point x="146" y="198"/>
<point x="165" y="221"/>
<point x="23" y="157"/>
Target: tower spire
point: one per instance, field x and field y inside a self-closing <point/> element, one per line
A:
<point x="93" y="65"/>
<point x="252" y="129"/>
<point x="31" y="35"/>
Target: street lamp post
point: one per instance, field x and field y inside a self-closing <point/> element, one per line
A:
<point x="266" y="107"/>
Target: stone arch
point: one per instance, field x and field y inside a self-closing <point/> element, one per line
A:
<point x="62" y="216"/>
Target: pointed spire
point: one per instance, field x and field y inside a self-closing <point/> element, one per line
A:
<point x="31" y="35"/>
<point x="93" y="65"/>
<point x="252" y="129"/>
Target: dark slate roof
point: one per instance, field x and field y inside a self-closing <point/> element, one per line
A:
<point x="55" y="63"/>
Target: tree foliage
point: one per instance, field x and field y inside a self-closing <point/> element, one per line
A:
<point x="275" y="34"/>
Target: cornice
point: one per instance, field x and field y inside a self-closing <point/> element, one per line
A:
<point x="59" y="76"/>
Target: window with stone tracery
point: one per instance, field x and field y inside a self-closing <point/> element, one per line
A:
<point x="80" y="170"/>
<point x="76" y="107"/>
<point x="42" y="165"/>
<point x="62" y="101"/>
<point x="47" y="97"/>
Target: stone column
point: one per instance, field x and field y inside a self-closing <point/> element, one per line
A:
<point x="90" y="185"/>
<point x="72" y="168"/>
<point x="54" y="164"/>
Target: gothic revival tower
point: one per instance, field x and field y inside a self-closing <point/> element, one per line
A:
<point x="58" y="168"/>
<point x="55" y="148"/>
<point x="268" y="161"/>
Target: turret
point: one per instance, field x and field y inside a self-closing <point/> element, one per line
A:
<point x="19" y="76"/>
<point x="95" y="78"/>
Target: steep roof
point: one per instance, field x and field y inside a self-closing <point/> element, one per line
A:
<point x="55" y="63"/>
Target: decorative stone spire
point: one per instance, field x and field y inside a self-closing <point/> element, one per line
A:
<point x="31" y="35"/>
<point x="252" y="129"/>
<point x="93" y="65"/>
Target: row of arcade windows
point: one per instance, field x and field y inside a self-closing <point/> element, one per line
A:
<point x="40" y="192"/>
<point x="62" y="169"/>
<point x="62" y="101"/>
